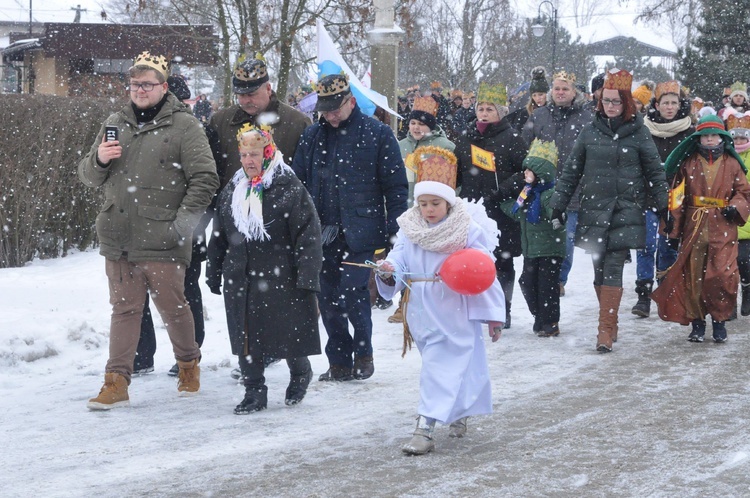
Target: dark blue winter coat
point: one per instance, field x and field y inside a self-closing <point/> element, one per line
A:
<point x="370" y="176"/>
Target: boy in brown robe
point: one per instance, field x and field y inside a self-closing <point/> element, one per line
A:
<point x="710" y="197"/>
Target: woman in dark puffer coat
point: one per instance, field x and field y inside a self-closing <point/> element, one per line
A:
<point x="616" y="163"/>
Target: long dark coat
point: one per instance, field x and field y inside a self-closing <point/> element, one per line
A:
<point x="619" y="172"/>
<point x="270" y="285"/>
<point x="476" y="183"/>
<point x="706" y="234"/>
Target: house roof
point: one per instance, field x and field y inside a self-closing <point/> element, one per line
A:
<point x="191" y="44"/>
<point x="188" y="44"/>
<point x="609" y="37"/>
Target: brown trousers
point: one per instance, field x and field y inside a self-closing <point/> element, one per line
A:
<point x="128" y="284"/>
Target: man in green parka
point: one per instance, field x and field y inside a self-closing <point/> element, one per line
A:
<point x="158" y="176"/>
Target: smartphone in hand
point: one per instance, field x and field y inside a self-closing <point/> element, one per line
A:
<point x="111" y="133"/>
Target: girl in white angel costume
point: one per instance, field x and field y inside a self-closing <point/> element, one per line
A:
<point x="445" y="325"/>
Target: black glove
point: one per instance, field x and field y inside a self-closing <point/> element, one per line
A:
<point x="215" y="289"/>
<point x="668" y="220"/>
<point x="558" y="219"/>
<point x="731" y="214"/>
<point x="674" y="244"/>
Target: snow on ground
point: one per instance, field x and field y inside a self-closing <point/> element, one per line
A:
<point x="658" y="417"/>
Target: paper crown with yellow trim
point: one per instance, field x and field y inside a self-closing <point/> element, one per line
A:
<point x="436" y="86"/>
<point x="565" y="76"/>
<point x="156" y="62"/>
<point x="425" y="104"/>
<point x="333" y="84"/>
<point x="249" y="75"/>
<point x="618" y="79"/>
<point x="456" y="94"/>
<point x="546" y="151"/>
<point x="665" y="87"/>
<point x="494" y="94"/>
<point x="435" y="164"/>
<point x="253" y="137"/>
<point x="331" y="90"/>
<point x="437" y="169"/>
<point x="738" y="124"/>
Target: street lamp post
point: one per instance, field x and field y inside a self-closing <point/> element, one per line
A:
<point x="538" y="27"/>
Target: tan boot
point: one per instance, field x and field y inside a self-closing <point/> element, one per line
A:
<point x="421" y="442"/>
<point x="114" y="393"/>
<point x="189" y="377"/>
<point x="398" y="315"/>
<point x="609" y="306"/>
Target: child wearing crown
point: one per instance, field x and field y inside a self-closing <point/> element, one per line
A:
<point x="542" y="243"/>
<point x="446" y="325"/>
<point x="711" y="198"/>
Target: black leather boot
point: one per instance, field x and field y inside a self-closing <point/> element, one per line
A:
<point x="643" y="307"/>
<point x="256" y="399"/>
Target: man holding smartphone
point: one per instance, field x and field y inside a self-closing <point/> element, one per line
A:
<point x="158" y="177"/>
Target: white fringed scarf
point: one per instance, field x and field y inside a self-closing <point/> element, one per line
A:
<point x="247" y="203"/>
<point x="446" y="237"/>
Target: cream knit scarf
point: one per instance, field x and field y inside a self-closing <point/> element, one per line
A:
<point x="247" y="210"/>
<point x="666" y="130"/>
<point x="446" y="237"/>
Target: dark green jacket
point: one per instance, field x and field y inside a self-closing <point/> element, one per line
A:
<point x="538" y="240"/>
<point x="618" y="172"/>
<point x="155" y="194"/>
<point x="287" y="125"/>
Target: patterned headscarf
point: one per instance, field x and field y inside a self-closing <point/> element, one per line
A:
<point x="247" y="200"/>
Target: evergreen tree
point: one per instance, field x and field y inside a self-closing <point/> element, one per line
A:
<point x="721" y="52"/>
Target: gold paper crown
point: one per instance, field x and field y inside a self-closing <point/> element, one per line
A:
<point x="456" y="93"/>
<point x="254" y="137"/>
<point x="425" y="104"/>
<point x="157" y="62"/>
<point x="436" y="85"/>
<point x="494" y="94"/>
<point x="738" y="121"/>
<point x="543" y="150"/>
<point x="672" y="86"/>
<point x="618" y="79"/>
<point x="565" y="76"/>
<point x="697" y="104"/>
<point x="738" y="86"/>
<point x="331" y="85"/>
<point x="435" y="164"/>
<point x="251" y="70"/>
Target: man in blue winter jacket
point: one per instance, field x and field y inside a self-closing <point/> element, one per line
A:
<point x="352" y="167"/>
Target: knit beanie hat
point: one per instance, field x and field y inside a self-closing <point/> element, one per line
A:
<point x="538" y="81"/>
<point x="644" y="92"/>
<point x="597" y="82"/>
<point x="425" y="110"/>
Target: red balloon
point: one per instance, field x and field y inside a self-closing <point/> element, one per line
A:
<point x="468" y="272"/>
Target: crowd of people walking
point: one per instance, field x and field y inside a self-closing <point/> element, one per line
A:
<point x="299" y="210"/>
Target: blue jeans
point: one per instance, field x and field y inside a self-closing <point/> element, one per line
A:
<point x="645" y="258"/>
<point x="570" y="244"/>
<point x="344" y="298"/>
